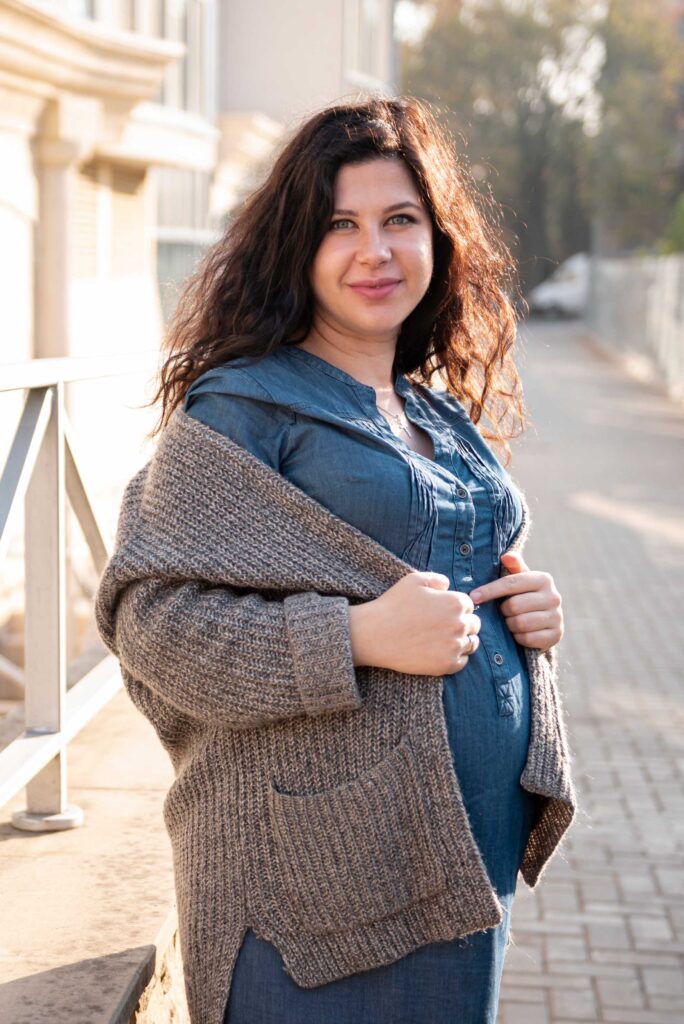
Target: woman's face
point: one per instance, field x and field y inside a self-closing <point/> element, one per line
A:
<point x="380" y="230"/>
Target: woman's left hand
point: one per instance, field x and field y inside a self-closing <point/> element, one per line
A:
<point x="532" y="605"/>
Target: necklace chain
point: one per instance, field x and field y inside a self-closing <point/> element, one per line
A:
<point x="399" y="417"/>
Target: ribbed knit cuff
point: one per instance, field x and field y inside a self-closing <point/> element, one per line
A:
<point x="320" y="645"/>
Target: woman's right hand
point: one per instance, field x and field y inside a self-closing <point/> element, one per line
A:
<point x="418" y="625"/>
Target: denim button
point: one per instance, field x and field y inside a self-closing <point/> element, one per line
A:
<point x="464" y="549"/>
<point x="461" y="492"/>
<point x="498" y="658"/>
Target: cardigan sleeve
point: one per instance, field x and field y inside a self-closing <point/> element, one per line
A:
<point x="238" y="660"/>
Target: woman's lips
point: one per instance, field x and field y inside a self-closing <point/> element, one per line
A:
<point x="376" y="293"/>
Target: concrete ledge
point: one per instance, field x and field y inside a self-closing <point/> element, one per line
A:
<point x="163" y="999"/>
<point x="89" y="932"/>
<point x="636" y="365"/>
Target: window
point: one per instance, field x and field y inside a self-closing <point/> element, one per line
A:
<point x="366" y="27"/>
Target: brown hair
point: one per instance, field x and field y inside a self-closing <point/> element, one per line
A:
<point x="251" y="292"/>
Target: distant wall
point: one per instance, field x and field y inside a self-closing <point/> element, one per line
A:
<point x="637" y="308"/>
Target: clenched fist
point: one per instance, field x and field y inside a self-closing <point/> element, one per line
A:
<point x="418" y="625"/>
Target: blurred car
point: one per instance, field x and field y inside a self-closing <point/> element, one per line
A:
<point x="565" y="292"/>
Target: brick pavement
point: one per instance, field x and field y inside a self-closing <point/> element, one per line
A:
<point x="602" y="466"/>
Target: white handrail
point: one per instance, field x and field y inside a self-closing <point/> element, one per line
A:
<point x="41" y="472"/>
<point x="43" y="373"/>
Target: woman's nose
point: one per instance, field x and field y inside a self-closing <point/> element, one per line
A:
<point x="373" y="247"/>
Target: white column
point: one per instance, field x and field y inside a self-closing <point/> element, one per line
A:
<point x="57" y="167"/>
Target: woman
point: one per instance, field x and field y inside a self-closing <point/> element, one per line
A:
<point x="301" y="417"/>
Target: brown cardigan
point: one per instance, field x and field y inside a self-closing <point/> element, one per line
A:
<point x="315" y="802"/>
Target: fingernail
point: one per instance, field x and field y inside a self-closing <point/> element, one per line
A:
<point x="475" y="595"/>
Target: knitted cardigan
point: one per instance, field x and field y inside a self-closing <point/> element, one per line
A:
<point x="314" y="801"/>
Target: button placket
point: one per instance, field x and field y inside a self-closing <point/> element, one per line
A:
<point x="492" y="644"/>
<point x="463" y="549"/>
<point x="507" y="695"/>
<point x="499" y="498"/>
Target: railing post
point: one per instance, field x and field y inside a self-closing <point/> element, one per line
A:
<point x="47" y="809"/>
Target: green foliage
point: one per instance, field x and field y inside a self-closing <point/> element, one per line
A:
<point x="674" y="238"/>
<point x="634" y="165"/>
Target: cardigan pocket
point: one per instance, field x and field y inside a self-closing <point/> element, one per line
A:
<point x="359" y="852"/>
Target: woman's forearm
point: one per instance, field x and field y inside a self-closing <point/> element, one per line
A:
<point x="366" y="635"/>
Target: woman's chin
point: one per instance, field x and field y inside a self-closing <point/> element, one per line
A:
<point x="376" y="322"/>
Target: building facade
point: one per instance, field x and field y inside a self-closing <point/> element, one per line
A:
<point x="129" y="129"/>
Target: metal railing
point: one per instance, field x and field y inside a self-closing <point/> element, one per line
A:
<point x="41" y="472"/>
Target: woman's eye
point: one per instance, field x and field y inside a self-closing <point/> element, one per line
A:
<point x="397" y="216"/>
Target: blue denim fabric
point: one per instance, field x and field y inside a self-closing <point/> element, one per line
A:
<point x="454" y="514"/>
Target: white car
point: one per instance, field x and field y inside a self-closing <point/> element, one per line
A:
<point x="566" y="291"/>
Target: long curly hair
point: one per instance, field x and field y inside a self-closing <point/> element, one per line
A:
<point x="251" y="292"/>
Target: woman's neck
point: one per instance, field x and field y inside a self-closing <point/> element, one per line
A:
<point x="372" y="366"/>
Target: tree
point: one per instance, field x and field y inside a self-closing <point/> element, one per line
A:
<point x="634" y="171"/>
<point x="494" y="65"/>
<point x="550" y="99"/>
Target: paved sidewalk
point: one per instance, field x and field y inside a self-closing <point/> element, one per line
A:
<point x="602" y="465"/>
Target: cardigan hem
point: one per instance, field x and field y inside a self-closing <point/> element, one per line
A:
<point x="314" y="960"/>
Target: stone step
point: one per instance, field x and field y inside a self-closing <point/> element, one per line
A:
<point x="89" y="929"/>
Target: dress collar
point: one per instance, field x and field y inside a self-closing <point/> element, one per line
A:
<point x="366" y="392"/>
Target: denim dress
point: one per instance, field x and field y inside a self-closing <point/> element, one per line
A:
<point x="454" y="514"/>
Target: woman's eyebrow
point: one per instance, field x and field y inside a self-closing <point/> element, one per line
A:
<point x="388" y="209"/>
